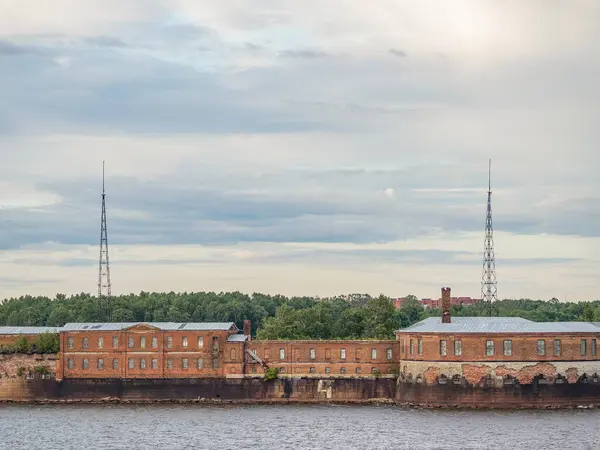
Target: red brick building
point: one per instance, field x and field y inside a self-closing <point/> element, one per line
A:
<point x="150" y="350"/>
<point x="497" y="349"/>
<point x="9" y="335"/>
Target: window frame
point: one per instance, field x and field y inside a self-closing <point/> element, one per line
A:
<point x="583" y="347"/>
<point x="312" y="353"/>
<point x="342" y="353"/>
<point x="507" y="347"/>
<point x="543" y="347"/>
<point x="458" y="347"/>
<point x="490" y="347"/>
<point x="556" y="350"/>
<point x="443" y="347"/>
<point x="100" y="342"/>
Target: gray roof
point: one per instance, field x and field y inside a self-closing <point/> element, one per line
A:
<point x="165" y="326"/>
<point x="237" y="338"/>
<point x="28" y="330"/>
<point x="497" y="325"/>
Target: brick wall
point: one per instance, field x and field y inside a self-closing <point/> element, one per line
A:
<point x="143" y="352"/>
<point x="10" y="364"/>
<point x="473" y="347"/>
<point x="339" y="358"/>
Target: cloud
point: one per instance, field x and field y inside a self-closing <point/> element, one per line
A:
<point x="105" y="41"/>
<point x="303" y="54"/>
<point x="396" y="52"/>
<point x="263" y="143"/>
<point x="8" y="48"/>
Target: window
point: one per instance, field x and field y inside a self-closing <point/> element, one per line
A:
<point x="412" y="347"/>
<point x="374" y="370"/>
<point x="169" y="363"/>
<point x="70" y="364"/>
<point x="342" y="370"/>
<point x="388" y="353"/>
<point x="232" y="353"/>
<point x="143" y="342"/>
<point x="508" y="348"/>
<point x="154" y="342"/>
<point x="583" y="347"/>
<point x="142" y="363"/>
<point x="358" y="353"/>
<point x="215" y="363"/>
<point x="70" y="342"/>
<point x="556" y="347"/>
<point x="327" y="369"/>
<point x="357" y="370"/>
<point x="443" y="347"/>
<point x="200" y="363"/>
<point x="200" y="342"/>
<point x="541" y="347"/>
<point x="215" y="342"/>
<point x="457" y="348"/>
<point x="312" y="370"/>
<point x="281" y="353"/>
<point x="593" y="347"/>
<point x="84" y="343"/>
<point x="115" y="364"/>
<point x="489" y="348"/>
<point x="313" y="353"/>
<point x="131" y="363"/>
<point x="184" y="341"/>
<point x="373" y="353"/>
<point x="184" y="363"/>
<point x="100" y="364"/>
<point x="130" y="342"/>
<point x="281" y="370"/>
<point x="343" y="353"/>
<point x="169" y="341"/>
<point x="115" y="341"/>
<point x="100" y="342"/>
<point x="85" y="363"/>
<point x="420" y="346"/>
<point x="154" y="363"/>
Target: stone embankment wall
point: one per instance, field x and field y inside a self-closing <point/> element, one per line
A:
<point x="499" y="385"/>
<point x="200" y="390"/>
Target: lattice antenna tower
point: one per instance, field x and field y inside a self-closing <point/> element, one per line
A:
<point x="489" y="286"/>
<point x="104" y="301"/>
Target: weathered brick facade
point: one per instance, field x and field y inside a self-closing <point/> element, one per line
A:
<point x="146" y="351"/>
<point x="326" y="358"/>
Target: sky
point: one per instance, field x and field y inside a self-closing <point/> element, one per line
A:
<point x="300" y="147"/>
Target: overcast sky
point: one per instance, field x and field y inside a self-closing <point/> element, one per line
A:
<point x="300" y="147"/>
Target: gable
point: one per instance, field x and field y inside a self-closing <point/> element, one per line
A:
<point x="142" y="327"/>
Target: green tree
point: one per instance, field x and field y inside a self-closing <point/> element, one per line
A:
<point x="22" y="345"/>
<point x="47" y="343"/>
<point x="379" y="319"/>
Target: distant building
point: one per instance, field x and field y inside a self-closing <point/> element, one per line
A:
<point x="436" y="303"/>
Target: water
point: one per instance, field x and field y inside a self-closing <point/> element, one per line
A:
<point x="291" y="427"/>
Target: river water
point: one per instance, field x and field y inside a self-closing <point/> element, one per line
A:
<point x="291" y="427"/>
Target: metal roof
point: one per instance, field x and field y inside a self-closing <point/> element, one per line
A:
<point x="165" y="326"/>
<point x="237" y="338"/>
<point x="497" y="325"/>
<point x="29" y="330"/>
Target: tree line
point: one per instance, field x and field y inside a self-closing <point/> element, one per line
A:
<point x="358" y="316"/>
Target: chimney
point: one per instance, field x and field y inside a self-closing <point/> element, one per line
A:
<point x="446" y="305"/>
<point x="247" y="328"/>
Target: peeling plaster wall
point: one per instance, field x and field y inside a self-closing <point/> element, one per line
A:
<point x="474" y="373"/>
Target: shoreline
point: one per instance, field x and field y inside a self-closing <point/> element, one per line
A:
<point x="283" y="401"/>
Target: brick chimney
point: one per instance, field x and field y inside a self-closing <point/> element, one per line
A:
<point x="247" y="328"/>
<point x="446" y="305"/>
